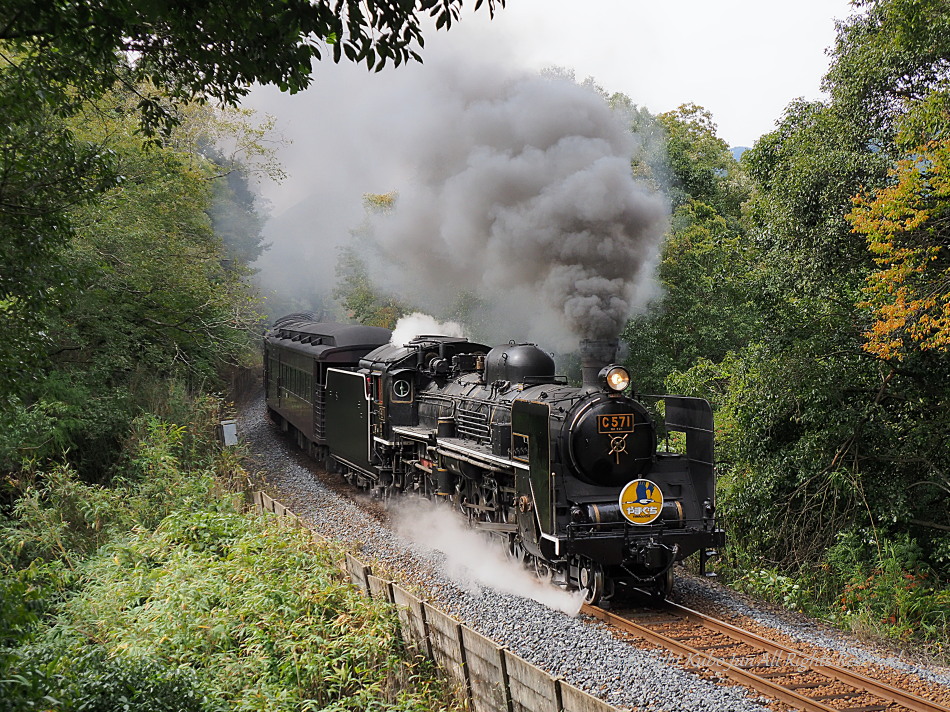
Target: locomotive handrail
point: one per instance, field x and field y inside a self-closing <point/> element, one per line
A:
<point x="454" y="400"/>
<point x="600" y="529"/>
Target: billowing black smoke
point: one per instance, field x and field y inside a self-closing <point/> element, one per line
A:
<point x="521" y="188"/>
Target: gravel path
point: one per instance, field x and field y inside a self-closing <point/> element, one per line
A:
<point x="477" y="585"/>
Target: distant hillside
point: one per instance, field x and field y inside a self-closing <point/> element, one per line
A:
<point x="737" y="151"/>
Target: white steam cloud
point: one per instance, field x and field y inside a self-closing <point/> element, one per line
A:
<point x="418" y="324"/>
<point x="472" y="559"/>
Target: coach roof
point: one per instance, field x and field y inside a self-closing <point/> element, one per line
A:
<point x="317" y="337"/>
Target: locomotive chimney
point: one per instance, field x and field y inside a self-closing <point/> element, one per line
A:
<point x="595" y="354"/>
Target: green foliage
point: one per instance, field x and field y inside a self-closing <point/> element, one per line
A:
<point x="361" y="300"/>
<point x="888" y="588"/>
<point x="149" y="259"/>
<point x="27" y="430"/>
<point x="806" y="172"/>
<point x="829" y="436"/>
<point x="269" y="622"/>
<point x="928" y="120"/>
<point x="153" y="593"/>
<point x="56" y="525"/>
<point x="808" y="446"/>
<point x="888" y="62"/>
<point x="701" y="166"/>
<point x="190" y="49"/>
<point x="359" y="297"/>
<point x="833" y="460"/>
<point x="236" y="219"/>
<point x="113" y="284"/>
<point x="57" y="516"/>
<point x="771" y="585"/>
<point x="150" y="297"/>
<point x="651" y="161"/>
<point x="243" y="610"/>
<point x="60" y="517"/>
<point x="237" y="213"/>
<point x="87" y="678"/>
<point x="883" y="588"/>
<point x="705" y="309"/>
<point x="44" y="171"/>
<point x="146" y="250"/>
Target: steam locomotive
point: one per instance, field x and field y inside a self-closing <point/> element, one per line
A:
<point x="570" y="477"/>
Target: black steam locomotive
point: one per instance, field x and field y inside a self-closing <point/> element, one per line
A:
<point x="570" y="477"/>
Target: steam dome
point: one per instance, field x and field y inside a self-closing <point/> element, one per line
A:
<point x="518" y="363"/>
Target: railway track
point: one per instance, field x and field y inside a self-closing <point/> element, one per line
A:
<point x="798" y="680"/>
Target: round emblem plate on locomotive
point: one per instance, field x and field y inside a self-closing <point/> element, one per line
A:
<point x="641" y="502"/>
<point x="401" y="388"/>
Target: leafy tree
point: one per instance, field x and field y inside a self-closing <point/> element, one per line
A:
<point x="237" y="143"/>
<point x="703" y="309"/>
<point x="236" y="219"/>
<point x="806" y="172"/>
<point x="700" y="164"/>
<point x="888" y="60"/>
<point x="650" y="161"/>
<point x="57" y="59"/>
<point x="149" y="298"/>
<point x="360" y="298"/>
<point x="44" y="172"/>
<point x="827" y="439"/>
<point x="893" y="70"/>
<point x="906" y="224"/>
<point x="148" y="257"/>
<point x="191" y="50"/>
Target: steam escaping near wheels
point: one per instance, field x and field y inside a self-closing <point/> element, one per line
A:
<point x="473" y="559"/>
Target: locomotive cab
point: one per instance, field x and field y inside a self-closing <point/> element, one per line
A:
<point x="400" y="374"/>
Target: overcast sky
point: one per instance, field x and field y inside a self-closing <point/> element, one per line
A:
<point x="744" y="60"/>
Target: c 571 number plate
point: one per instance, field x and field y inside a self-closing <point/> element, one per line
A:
<point x="615" y="423"/>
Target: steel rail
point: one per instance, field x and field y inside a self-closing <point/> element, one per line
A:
<point x="856" y="680"/>
<point x="696" y="657"/>
<point x="788" y="656"/>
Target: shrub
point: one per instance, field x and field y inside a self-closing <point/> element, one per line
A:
<point x="771" y="585"/>
<point x="890" y="592"/>
<point x="265" y="620"/>
<point x="153" y="593"/>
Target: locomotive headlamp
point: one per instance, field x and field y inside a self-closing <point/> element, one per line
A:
<point x="616" y="378"/>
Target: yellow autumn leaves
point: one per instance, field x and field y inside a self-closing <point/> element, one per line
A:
<point x="907" y="225"/>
